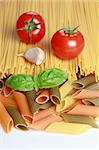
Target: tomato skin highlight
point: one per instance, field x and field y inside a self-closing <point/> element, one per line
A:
<point x="66" y="45"/>
<point x="37" y="33"/>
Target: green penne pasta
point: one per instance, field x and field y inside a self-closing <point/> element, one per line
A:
<point x="18" y="120"/>
<point x="55" y="95"/>
<point x="46" y="105"/>
<point x="93" y="86"/>
<point x="83" y="82"/>
<point x="79" y="119"/>
<point x="34" y="106"/>
<point x="94" y="101"/>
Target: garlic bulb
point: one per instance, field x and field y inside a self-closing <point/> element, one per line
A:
<point x="34" y="55"/>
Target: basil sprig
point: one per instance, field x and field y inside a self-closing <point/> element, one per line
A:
<point x="48" y="78"/>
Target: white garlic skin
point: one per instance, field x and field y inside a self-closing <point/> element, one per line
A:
<point x="35" y="55"/>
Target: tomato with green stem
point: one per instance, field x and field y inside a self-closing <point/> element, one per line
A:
<point x="67" y="43"/>
<point x="30" y="27"/>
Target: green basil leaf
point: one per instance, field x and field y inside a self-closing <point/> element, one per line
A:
<point x="50" y="78"/>
<point x="21" y="82"/>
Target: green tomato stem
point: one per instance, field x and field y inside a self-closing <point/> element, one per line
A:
<point x="70" y="30"/>
<point x="30" y="26"/>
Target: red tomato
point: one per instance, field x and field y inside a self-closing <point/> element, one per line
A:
<point x="67" y="44"/>
<point x="30" y="27"/>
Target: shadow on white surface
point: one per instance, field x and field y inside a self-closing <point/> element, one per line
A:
<point x="19" y="139"/>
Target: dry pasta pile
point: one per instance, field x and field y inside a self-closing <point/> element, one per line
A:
<point x="72" y="107"/>
<point x="57" y="14"/>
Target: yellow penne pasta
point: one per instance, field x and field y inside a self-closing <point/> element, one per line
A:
<point x="65" y="89"/>
<point x="65" y="103"/>
<point x="67" y="128"/>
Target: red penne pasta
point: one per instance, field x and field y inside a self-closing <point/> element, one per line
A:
<point x="23" y="106"/>
<point x="85" y="94"/>
<point x="86" y="110"/>
<point x="7" y="101"/>
<point x="45" y="122"/>
<point x="5" y="119"/>
<point x="43" y="97"/>
<point x="44" y="113"/>
<point x="7" y="91"/>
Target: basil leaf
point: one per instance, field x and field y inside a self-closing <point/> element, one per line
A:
<point x="21" y="82"/>
<point x="50" y="78"/>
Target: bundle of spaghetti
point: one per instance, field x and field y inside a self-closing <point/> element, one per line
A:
<point x="73" y="12"/>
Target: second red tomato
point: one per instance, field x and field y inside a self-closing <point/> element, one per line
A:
<point x="67" y="44"/>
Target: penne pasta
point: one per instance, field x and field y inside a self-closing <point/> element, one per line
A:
<point x="19" y="122"/>
<point x="43" y="97"/>
<point x="7" y="91"/>
<point x="44" y="113"/>
<point x="55" y="95"/>
<point x="46" y="105"/>
<point x="67" y="128"/>
<point x="7" y="101"/>
<point x="5" y="119"/>
<point x="23" y="106"/>
<point x="79" y="119"/>
<point x="72" y="92"/>
<point x="84" y="12"/>
<point x="34" y="106"/>
<point x="65" y="104"/>
<point x="94" y="101"/>
<point x="83" y="82"/>
<point x="65" y="89"/>
<point x="86" y="94"/>
<point x="94" y="86"/>
<point x="86" y="110"/>
<point x="45" y="122"/>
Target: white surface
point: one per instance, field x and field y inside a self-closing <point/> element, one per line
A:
<point x="18" y="140"/>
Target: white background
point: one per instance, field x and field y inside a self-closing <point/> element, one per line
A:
<point x="18" y="140"/>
